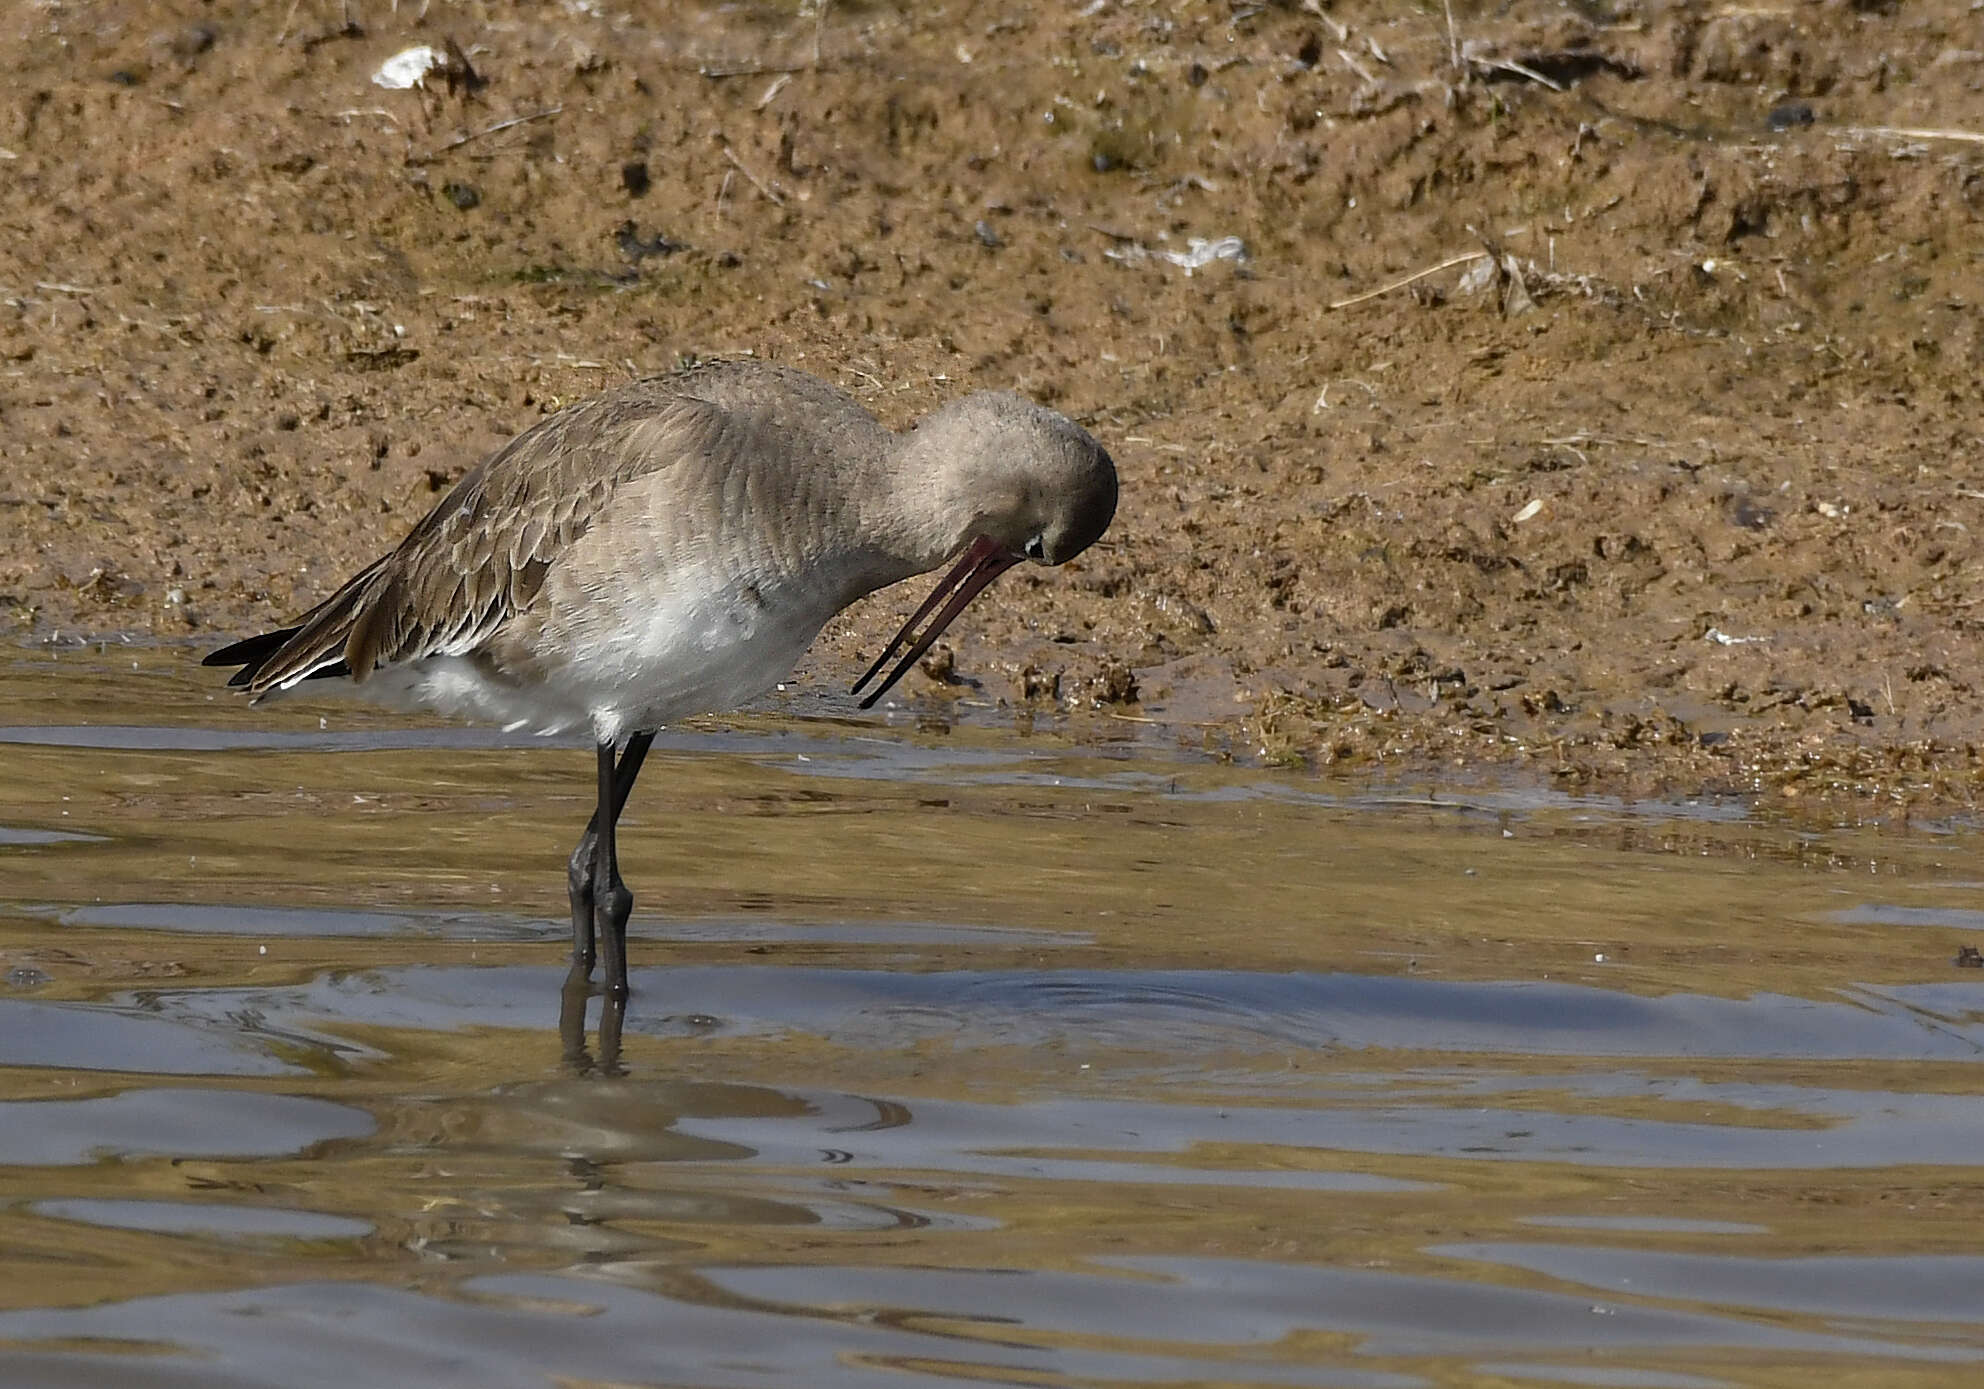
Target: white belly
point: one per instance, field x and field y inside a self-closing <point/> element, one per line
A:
<point x="614" y="664"/>
<point x="694" y="654"/>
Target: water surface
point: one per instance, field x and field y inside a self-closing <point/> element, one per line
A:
<point x="958" y="1054"/>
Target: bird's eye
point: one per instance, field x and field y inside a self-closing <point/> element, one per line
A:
<point x="1036" y="550"/>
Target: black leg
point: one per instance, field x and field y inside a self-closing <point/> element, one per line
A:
<point x="580" y="868"/>
<point x="612" y="1012"/>
<point x="578" y="888"/>
<point x="611" y="902"/>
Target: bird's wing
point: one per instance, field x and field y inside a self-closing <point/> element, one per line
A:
<point x="481" y="555"/>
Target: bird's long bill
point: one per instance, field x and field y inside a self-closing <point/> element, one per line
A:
<point x="984" y="561"/>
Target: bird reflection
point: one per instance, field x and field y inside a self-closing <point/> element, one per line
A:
<point x="575" y="995"/>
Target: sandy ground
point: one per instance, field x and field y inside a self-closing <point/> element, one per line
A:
<point x="1675" y="482"/>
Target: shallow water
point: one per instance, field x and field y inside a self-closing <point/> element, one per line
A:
<point x="955" y="1056"/>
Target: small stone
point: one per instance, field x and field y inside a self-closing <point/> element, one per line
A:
<point x="637" y="248"/>
<point x="191" y="41"/>
<point x="1034" y="683"/>
<point x="1117" y="684"/>
<point x="941" y="665"/>
<point x="462" y="195"/>
<point x="1789" y="115"/>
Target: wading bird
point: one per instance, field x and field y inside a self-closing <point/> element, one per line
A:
<point x="671" y="548"/>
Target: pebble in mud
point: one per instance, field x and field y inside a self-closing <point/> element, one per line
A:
<point x="635" y="247"/>
<point x="941" y="665"/>
<point x="189" y="42"/>
<point x="1116" y="684"/>
<point x="1790" y="115"/>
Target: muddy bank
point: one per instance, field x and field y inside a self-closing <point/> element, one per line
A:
<point x="1675" y="482"/>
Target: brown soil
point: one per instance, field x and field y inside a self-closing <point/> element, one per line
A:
<point x="1684" y="489"/>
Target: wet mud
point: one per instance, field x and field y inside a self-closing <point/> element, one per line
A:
<point x="1588" y="392"/>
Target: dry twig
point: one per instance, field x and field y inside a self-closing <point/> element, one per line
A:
<point x="771" y="92"/>
<point x="755" y="181"/>
<point x="1894" y="132"/>
<point x="717" y="74"/>
<point x="1416" y="275"/>
<point x="1520" y="69"/>
<point x="461" y="140"/>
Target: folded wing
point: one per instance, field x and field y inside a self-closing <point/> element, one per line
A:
<point x="480" y="556"/>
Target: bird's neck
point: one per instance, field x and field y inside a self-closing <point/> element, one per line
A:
<point x="912" y="509"/>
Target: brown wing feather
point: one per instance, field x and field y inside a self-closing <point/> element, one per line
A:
<point x="481" y="555"/>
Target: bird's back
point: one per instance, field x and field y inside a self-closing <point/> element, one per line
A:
<point x="727" y="466"/>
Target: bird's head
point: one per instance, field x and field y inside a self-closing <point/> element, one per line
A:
<point x="992" y="480"/>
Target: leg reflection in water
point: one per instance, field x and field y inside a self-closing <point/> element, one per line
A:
<point x="574" y="997"/>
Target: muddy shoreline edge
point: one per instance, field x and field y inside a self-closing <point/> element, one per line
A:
<point x="1591" y="401"/>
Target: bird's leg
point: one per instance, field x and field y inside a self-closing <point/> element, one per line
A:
<point x="578" y="887"/>
<point x="579" y="869"/>
<point x="611" y="902"/>
<point x="612" y="1013"/>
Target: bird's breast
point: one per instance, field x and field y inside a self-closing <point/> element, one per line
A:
<point x="701" y="644"/>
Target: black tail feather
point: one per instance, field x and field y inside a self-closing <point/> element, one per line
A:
<point x="251" y="653"/>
